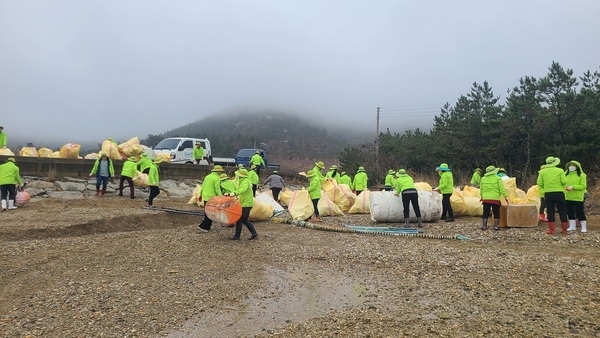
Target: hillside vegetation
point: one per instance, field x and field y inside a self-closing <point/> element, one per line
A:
<point x="289" y="140"/>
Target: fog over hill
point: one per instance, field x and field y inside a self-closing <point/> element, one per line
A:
<point x="285" y="134"/>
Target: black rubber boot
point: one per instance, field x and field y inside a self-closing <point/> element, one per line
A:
<point x="252" y="230"/>
<point x="238" y="231"/>
<point x="406" y="223"/>
<point x="484" y="222"/>
<point x="420" y="225"/>
<point x="496" y="224"/>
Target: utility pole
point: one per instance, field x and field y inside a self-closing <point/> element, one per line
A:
<point x="377" y="144"/>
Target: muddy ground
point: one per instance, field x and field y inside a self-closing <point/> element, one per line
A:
<point x="104" y="267"/>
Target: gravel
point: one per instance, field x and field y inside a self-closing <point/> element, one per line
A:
<point x="105" y="267"/>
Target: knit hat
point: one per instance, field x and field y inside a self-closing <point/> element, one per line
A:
<point x="443" y="167"/>
<point x="552" y="161"/>
<point x="242" y="173"/>
<point x="217" y="168"/>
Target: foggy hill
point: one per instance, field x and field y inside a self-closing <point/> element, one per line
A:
<point x="286" y="137"/>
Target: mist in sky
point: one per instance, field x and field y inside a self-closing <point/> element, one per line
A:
<point x="79" y="71"/>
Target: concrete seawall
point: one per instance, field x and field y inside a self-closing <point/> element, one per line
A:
<point x="61" y="167"/>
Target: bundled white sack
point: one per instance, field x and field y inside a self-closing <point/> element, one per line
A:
<point x="266" y="198"/>
<point x="387" y="207"/>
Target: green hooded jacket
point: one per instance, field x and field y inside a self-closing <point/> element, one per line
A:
<point x="345" y="179"/>
<point x="153" y="177"/>
<point x="129" y="168"/>
<point x="314" y="188"/>
<point x="476" y="178"/>
<point x="211" y="186"/>
<point x="491" y="187"/>
<point x="9" y="174"/>
<point x="253" y="176"/>
<point x="403" y="182"/>
<point x="336" y="177"/>
<point x="389" y="180"/>
<point x="144" y="162"/>
<point x="227" y="186"/>
<point x="318" y="173"/>
<point x="111" y="168"/>
<point x="446" y="184"/>
<point x="576" y="179"/>
<point x="2" y="139"/>
<point x="257" y="160"/>
<point x="245" y="193"/>
<point x="198" y="153"/>
<point x="360" y="181"/>
<point x="552" y="179"/>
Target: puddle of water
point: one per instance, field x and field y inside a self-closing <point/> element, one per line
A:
<point x="290" y="297"/>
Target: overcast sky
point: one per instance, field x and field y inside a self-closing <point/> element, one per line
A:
<point x="78" y="71"/>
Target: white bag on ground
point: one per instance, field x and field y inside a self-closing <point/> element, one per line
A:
<point x="387" y="207"/>
<point x="267" y="198"/>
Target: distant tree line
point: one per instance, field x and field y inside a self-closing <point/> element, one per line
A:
<point x="557" y="115"/>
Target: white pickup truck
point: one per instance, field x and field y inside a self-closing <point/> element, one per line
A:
<point x="181" y="150"/>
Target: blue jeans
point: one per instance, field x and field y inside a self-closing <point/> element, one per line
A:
<point x="103" y="180"/>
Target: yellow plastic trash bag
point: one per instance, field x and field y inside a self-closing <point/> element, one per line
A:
<point x="533" y="195"/>
<point x="92" y="156"/>
<point x="140" y="180"/>
<point x="194" y="200"/>
<point x="362" y="204"/>
<point x="472" y="206"/>
<point x="300" y="207"/>
<point x="285" y="196"/>
<point x="346" y="199"/>
<point x="6" y="152"/>
<point x="423" y="186"/>
<point x="163" y="158"/>
<point x="327" y="207"/>
<point x="45" y="152"/>
<point x="131" y="147"/>
<point x="69" y="150"/>
<point x="111" y="149"/>
<point x="469" y="191"/>
<point x="457" y="202"/>
<point x="28" y="152"/>
<point x="260" y="211"/>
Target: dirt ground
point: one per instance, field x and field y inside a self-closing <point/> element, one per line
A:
<point x="104" y="267"/>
